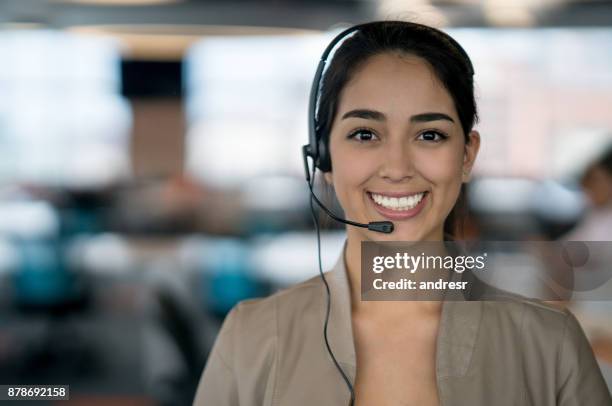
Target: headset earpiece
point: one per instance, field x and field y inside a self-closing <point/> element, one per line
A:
<point x="324" y="158"/>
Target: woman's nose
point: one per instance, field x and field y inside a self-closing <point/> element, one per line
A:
<point x="398" y="162"/>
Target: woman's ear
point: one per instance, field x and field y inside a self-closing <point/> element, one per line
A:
<point x="328" y="178"/>
<point x="471" y="151"/>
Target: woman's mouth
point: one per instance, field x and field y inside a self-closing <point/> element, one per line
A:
<point x="398" y="207"/>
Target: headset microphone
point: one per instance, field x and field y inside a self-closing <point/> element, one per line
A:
<point x="378" y="226"/>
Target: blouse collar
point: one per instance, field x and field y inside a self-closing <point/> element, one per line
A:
<point x="456" y="339"/>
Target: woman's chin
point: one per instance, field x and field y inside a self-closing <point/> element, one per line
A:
<point x="406" y="236"/>
<point x="398" y="234"/>
<point x="409" y="232"/>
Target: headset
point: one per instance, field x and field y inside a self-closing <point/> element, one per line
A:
<point x="317" y="150"/>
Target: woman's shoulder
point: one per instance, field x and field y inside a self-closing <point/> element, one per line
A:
<point x="262" y="315"/>
<point x="302" y="293"/>
<point x="530" y="315"/>
<point x="546" y="328"/>
<point x="245" y="354"/>
<point x="552" y="343"/>
<point x="503" y="305"/>
<point x="250" y="332"/>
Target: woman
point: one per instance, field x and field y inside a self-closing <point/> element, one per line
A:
<point x="394" y="138"/>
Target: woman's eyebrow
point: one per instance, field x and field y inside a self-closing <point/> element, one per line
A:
<point x="378" y="116"/>
<point x="365" y="114"/>
<point x="424" y="117"/>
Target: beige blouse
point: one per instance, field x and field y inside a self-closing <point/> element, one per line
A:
<point x="519" y="352"/>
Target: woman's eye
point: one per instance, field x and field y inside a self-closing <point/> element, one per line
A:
<point x="432" y="136"/>
<point x="363" y="135"/>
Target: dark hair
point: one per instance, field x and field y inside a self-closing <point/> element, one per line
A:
<point x="449" y="63"/>
<point x="605" y="160"/>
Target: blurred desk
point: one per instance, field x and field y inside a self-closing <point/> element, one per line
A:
<point x="96" y="348"/>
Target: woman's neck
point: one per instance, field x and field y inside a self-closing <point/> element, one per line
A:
<point x="352" y="260"/>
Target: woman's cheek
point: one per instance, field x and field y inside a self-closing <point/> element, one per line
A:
<point x="440" y="166"/>
<point x="351" y="167"/>
<point x="443" y="172"/>
<point x="350" y="174"/>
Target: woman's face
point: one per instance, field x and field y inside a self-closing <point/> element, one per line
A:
<point x="398" y="150"/>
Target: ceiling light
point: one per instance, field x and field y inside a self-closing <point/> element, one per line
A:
<point x="503" y="13"/>
<point x="119" y="2"/>
<point x="420" y="11"/>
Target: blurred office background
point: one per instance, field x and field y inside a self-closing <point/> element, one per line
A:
<point x="151" y="176"/>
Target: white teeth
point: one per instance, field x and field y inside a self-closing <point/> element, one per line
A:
<point x="398" y="203"/>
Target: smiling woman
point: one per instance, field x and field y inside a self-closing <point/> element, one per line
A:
<point x="393" y="135"/>
<point x="398" y="148"/>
